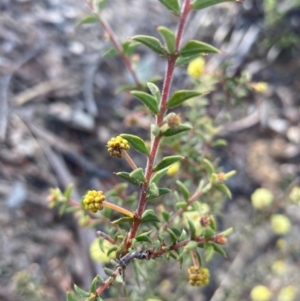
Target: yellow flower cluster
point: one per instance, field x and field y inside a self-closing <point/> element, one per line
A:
<point x="287" y="293"/>
<point x="115" y="146"/>
<point x="278" y="267"/>
<point x="198" y="276"/>
<point x="295" y="195"/>
<point x="280" y="224"/>
<point x="260" y="87"/>
<point x="196" y="67"/>
<point x="262" y="198"/>
<point x="260" y="293"/>
<point x="93" y="200"/>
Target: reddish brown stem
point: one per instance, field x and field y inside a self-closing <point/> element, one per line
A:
<point x="171" y="64"/>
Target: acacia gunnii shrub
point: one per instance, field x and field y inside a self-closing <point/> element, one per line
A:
<point x="171" y="219"/>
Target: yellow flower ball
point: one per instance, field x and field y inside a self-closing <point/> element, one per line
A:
<point x="278" y="267"/>
<point x="280" y="224"/>
<point x="173" y="169"/>
<point x="260" y="293"/>
<point x="196" y="67"/>
<point x="260" y="87"/>
<point x="261" y="198"/>
<point x="101" y="256"/>
<point x="295" y="195"/>
<point x="287" y="293"/>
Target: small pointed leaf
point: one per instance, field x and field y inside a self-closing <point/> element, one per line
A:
<point x="167" y="161"/>
<point x="138" y="175"/>
<point x="108" y="272"/>
<point x="165" y="215"/>
<point x="200" y="4"/>
<point x="70" y="296"/>
<point x="150" y="217"/>
<point x="154" y="91"/>
<point x="137" y="143"/>
<point x="80" y="292"/>
<point x="180" y="96"/>
<point x="144" y="237"/>
<point x="180" y="129"/>
<point x="194" y="47"/>
<point x="223" y="188"/>
<point x="129" y="47"/>
<point x="192" y="228"/>
<point x="68" y="191"/>
<point x="171" y="5"/>
<point x="169" y="37"/>
<point x="111" y="52"/>
<point x="152" y="43"/>
<point x="159" y="174"/>
<point x="126" y="176"/>
<point x="191" y="245"/>
<point x="183" y="190"/>
<point x="209" y="167"/>
<point x="219" y="250"/>
<point x="172" y="235"/>
<point x="208" y="251"/>
<point x="208" y="232"/>
<point x="90" y="19"/>
<point x="148" y="100"/>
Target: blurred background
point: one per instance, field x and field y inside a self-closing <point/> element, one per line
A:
<point x="59" y="107"/>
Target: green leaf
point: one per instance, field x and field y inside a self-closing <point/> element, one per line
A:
<point x="152" y="43"/>
<point x="95" y="283"/>
<point x="182" y="235"/>
<point x="174" y="255"/>
<point x="165" y="215"/>
<point x="194" y="47"/>
<point x="127" y="177"/>
<point x="171" y="5"/>
<point x="144" y="237"/>
<point x="101" y="4"/>
<point x="123" y="220"/>
<point x="183" y="190"/>
<point x="209" y="167"/>
<point x="161" y="191"/>
<point x="180" y="129"/>
<point x="111" y="250"/>
<point x="154" y="91"/>
<point x="192" y="228"/>
<point x="150" y="217"/>
<point x="68" y="191"/>
<point x="70" y="296"/>
<point x="148" y="100"/>
<point x="172" y="235"/>
<point x="138" y="174"/>
<point x="111" y="52"/>
<point x="80" y="292"/>
<point x="169" y="37"/>
<point x="223" y="188"/>
<point x="191" y="245"/>
<point x="152" y="191"/>
<point x="159" y="175"/>
<point x="180" y="96"/>
<point x="129" y="47"/>
<point x="219" y="249"/>
<point x="185" y="60"/>
<point x="137" y="143"/>
<point x="219" y="142"/>
<point x="208" y="232"/>
<point x="213" y="223"/>
<point x="167" y="161"/>
<point x="200" y="4"/>
<point x="108" y="272"/>
<point x="208" y="251"/>
<point x="90" y="19"/>
<point x="181" y="205"/>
